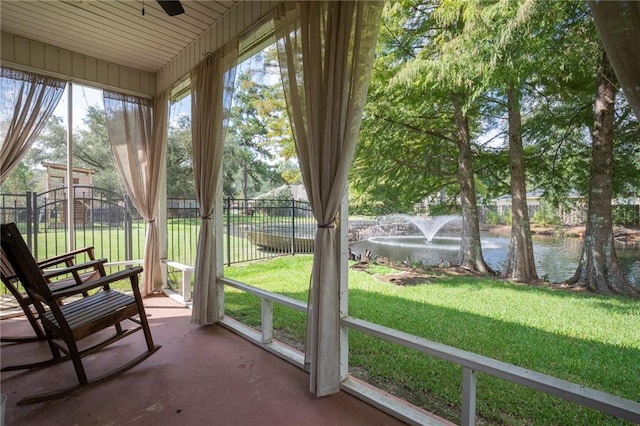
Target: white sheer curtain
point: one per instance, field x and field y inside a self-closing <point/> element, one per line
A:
<point x="138" y="135"/>
<point x="28" y="100"/>
<point x="618" y="24"/>
<point x="325" y="51"/>
<point x="212" y="83"/>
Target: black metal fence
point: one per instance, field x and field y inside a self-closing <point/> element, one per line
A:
<point x="261" y="228"/>
<point x="101" y="218"/>
<point x="253" y="228"/>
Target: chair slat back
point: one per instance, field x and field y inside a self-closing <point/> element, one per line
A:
<point x="6" y="269"/>
<point x="9" y="277"/>
<point x="21" y="260"/>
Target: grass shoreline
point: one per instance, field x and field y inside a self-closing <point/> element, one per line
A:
<point x="584" y="338"/>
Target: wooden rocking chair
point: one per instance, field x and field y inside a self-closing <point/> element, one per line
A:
<point x="66" y="324"/>
<point x="72" y="274"/>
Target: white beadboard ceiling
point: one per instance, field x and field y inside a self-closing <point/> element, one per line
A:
<point x="112" y="30"/>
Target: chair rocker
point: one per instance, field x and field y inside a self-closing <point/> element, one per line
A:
<point x="72" y="274"/>
<point x="65" y="325"/>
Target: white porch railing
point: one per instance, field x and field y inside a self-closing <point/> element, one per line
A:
<point x="471" y="364"/>
<point x="186" y="277"/>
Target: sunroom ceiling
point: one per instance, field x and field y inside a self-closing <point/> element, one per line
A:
<point x="110" y="30"/>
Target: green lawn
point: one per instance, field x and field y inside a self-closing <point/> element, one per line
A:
<point x="588" y="339"/>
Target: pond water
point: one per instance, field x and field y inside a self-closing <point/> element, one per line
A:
<point x="556" y="258"/>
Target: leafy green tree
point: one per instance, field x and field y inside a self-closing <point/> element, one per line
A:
<point x="92" y="150"/>
<point x="405" y="153"/>
<point x="248" y="153"/>
<point x="406" y="147"/>
<point x="560" y="116"/>
<point x="272" y="109"/>
<point x="180" y="179"/>
<point x="493" y="43"/>
<point x="51" y="144"/>
<point x="420" y="122"/>
<point x="23" y="178"/>
<point x="598" y="268"/>
<point x="560" y="111"/>
<point x="50" y="147"/>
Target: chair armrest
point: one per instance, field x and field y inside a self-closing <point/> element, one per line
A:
<point x="92" y="264"/>
<point x="101" y="282"/>
<point x="64" y="257"/>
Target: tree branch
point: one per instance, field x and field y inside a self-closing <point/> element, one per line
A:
<point x="417" y="129"/>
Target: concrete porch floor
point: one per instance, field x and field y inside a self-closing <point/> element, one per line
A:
<point x="202" y="375"/>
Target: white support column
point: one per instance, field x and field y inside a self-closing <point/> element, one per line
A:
<point x="343" y="228"/>
<point x="161" y="220"/>
<point x="267" y="321"/>
<point x="71" y="193"/>
<point x="468" y="397"/>
<point x="186" y="283"/>
<point x="218" y="217"/>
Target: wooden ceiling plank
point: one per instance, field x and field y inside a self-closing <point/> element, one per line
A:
<point x="113" y="31"/>
<point x="205" y="9"/>
<point x="84" y="34"/>
<point x="83" y="40"/>
<point x="129" y="59"/>
<point x="222" y="7"/>
<point x="151" y="22"/>
<point x="101" y="20"/>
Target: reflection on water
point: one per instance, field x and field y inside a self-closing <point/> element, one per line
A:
<point x="556" y="258"/>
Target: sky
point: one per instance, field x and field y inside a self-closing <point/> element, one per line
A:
<point x="86" y="96"/>
<point x="83" y="97"/>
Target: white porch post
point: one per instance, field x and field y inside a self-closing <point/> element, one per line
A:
<point x="162" y="223"/>
<point x="343" y="238"/>
<point x="218" y="217"/>
<point x="71" y="193"/>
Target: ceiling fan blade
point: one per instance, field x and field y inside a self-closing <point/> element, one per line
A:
<point x="172" y="7"/>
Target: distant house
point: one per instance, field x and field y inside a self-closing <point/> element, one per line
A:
<point x="182" y="207"/>
<point x="575" y="215"/>
<point x="56" y="212"/>
<point x="57" y="176"/>
<point x="298" y="192"/>
<point x="629" y="201"/>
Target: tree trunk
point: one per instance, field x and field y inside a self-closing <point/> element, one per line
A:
<point x="520" y="260"/>
<point x="245" y="179"/>
<point x="470" y="254"/>
<point x="598" y="268"/>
